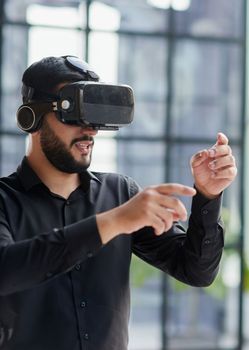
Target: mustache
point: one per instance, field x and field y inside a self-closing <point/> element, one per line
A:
<point x="82" y="138"/>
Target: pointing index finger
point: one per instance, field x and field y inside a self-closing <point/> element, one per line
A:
<point x="176" y="189"/>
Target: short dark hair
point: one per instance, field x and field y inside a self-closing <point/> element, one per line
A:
<point x="45" y="75"/>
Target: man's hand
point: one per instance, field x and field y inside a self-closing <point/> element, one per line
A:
<point x="156" y="206"/>
<point x="214" y="169"/>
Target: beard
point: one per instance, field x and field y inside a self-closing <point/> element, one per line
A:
<point x="59" y="154"/>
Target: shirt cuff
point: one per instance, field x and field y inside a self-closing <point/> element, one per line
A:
<point x="206" y="211"/>
<point x="83" y="239"/>
<point x="206" y="217"/>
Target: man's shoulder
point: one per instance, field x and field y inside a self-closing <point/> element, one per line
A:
<point x="117" y="180"/>
<point x="9" y="180"/>
<point x="103" y="176"/>
<point x="9" y="186"/>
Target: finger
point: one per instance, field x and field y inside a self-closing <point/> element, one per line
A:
<point x="221" y="139"/>
<point x="175" y="189"/>
<point x="176" y="217"/>
<point x="222" y="162"/>
<point x="228" y="173"/>
<point x="160" y="225"/>
<point x="218" y="151"/>
<point x="168" y="220"/>
<point x="172" y="204"/>
<point x="198" y="158"/>
<point x="164" y="222"/>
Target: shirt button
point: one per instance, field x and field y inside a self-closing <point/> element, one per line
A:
<point x="67" y="202"/>
<point x="204" y="211"/>
<point x="89" y="255"/>
<point x="86" y="336"/>
<point x="207" y="241"/>
<point x="77" y="267"/>
<point x="83" y="304"/>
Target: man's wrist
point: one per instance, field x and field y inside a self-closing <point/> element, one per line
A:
<point x="107" y="225"/>
<point x="206" y="194"/>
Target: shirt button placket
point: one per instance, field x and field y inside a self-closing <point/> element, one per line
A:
<point x="207" y="241"/>
<point x="82" y="304"/>
<point x="77" y="267"/>
<point x="67" y="212"/>
<point x="86" y="336"/>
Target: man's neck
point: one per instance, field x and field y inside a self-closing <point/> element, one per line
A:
<point x="58" y="182"/>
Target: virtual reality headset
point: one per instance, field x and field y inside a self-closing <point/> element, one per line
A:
<point x="84" y="103"/>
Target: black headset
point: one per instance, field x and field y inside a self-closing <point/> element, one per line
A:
<point x="29" y="115"/>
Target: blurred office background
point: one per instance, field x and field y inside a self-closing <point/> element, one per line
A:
<point x="186" y="60"/>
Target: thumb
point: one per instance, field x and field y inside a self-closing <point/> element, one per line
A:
<point x="221" y="139"/>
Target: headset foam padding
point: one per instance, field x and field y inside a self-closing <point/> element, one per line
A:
<point x="29" y="116"/>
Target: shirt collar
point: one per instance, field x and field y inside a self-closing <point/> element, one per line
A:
<point x="29" y="179"/>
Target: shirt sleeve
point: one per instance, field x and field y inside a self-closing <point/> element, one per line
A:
<point x="191" y="256"/>
<point x="27" y="263"/>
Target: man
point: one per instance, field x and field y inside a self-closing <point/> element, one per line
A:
<point x="67" y="235"/>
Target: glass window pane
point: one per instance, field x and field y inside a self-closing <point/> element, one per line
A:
<point x="12" y="152"/>
<point x="15" y="10"/>
<point x="144" y="161"/>
<point x="231" y="208"/>
<point x="36" y="43"/>
<point x="206" y="318"/>
<point x="47" y="12"/>
<point x="207" y="89"/>
<point x="147" y="74"/>
<point x="246" y="309"/>
<point x="211" y="18"/>
<point x="104" y="55"/>
<point x="13" y="64"/>
<point x="56" y="16"/>
<point x="149" y="118"/>
<point x="104" y="17"/>
<point x="128" y="15"/>
<point x="104" y="156"/>
<point x="42" y="42"/>
<point x="144" y="328"/>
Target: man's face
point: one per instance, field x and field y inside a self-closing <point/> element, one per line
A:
<point x="68" y="148"/>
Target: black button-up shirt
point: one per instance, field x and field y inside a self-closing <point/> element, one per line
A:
<point x="60" y="288"/>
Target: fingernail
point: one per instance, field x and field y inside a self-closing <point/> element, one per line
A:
<point x="212" y="152"/>
<point x="212" y="164"/>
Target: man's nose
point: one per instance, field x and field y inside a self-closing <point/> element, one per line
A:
<point x="88" y="130"/>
